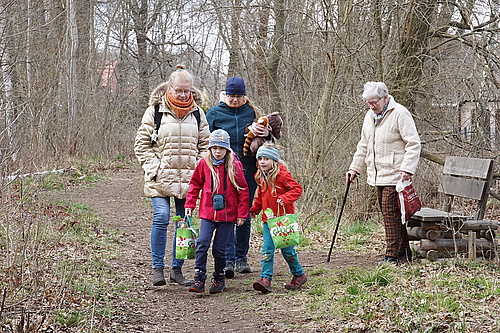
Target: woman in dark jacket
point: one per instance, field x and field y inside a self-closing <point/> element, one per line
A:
<point x="233" y="114"/>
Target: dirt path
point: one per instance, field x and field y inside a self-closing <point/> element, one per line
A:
<point x="171" y="308"/>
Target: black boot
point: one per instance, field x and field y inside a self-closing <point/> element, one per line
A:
<point x="406" y="255"/>
<point x="177" y="277"/>
<point x="218" y="284"/>
<point x="198" y="285"/>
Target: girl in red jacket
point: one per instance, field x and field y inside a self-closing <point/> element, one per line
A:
<point x="224" y="200"/>
<point x="277" y="190"/>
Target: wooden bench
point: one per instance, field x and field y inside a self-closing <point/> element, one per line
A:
<point x="446" y="231"/>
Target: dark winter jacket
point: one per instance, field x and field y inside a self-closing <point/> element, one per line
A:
<point x="234" y="121"/>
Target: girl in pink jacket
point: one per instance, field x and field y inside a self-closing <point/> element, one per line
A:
<point x="224" y="201"/>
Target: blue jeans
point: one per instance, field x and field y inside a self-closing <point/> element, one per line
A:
<point x="222" y="233"/>
<point x="288" y="253"/>
<point x="239" y="240"/>
<point x="161" y="219"/>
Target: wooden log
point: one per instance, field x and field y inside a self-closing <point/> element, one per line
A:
<point x="488" y="234"/>
<point x="478" y="225"/>
<point x="450" y="235"/>
<point x="431" y="226"/>
<point x="471" y="245"/>
<point x="490" y="254"/>
<point x="449" y="244"/>
<point x="432" y="255"/>
<point x="417" y="233"/>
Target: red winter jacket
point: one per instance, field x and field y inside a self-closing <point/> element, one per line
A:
<point x="236" y="201"/>
<point x="287" y="189"/>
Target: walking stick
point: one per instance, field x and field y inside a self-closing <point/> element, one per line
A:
<point x="338" y="222"/>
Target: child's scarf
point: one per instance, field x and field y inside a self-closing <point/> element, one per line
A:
<point x="218" y="162"/>
<point x="180" y="108"/>
<point x="378" y="117"/>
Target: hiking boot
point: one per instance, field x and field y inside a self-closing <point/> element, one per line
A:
<point x="296" y="282"/>
<point x="229" y="270"/>
<point x="177" y="277"/>
<point x="218" y="284"/>
<point x="198" y="286"/>
<point x="158" y="278"/>
<point x="242" y="266"/>
<point x="389" y="260"/>
<point x="263" y="285"/>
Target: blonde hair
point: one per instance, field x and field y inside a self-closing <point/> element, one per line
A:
<point x="180" y="75"/>
<point x="228" y="165"/>
<point x="257" y="111"/>
<point x="269" y="178"/>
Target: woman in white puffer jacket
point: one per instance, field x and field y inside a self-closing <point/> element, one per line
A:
<point x="168" y="159"/>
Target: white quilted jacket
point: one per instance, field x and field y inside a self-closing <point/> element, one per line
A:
<point x="169" y="164"/>
<point x="388" y="148"/>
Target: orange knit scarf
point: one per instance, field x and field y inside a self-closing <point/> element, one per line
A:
<point x="180" y="108"/>
<point x="235" y="107"/>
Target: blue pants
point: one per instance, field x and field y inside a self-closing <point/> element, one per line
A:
<point x="239" y="240"/>
<point x="267" y="261"/>
<point x="158" y="238"/>
<point x="222" y="233"/>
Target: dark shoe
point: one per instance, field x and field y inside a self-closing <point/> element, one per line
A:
<point x="405" y="255"/>
<point x="177" y="277"/>
<point x="296" y="282"/>
<point x="158" y="278"/>
<point x="198" y="285"/>
<point x="263" y="285"/>
<point x="218" y="284"/>
<point x="242" y="266"/>
<point x="389" y="260"/>
<point x="229" y="270"/>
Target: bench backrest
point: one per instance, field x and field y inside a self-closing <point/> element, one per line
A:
<point x="469" y="178"/>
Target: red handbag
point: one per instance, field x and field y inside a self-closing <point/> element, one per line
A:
<point x="408" y="200"/>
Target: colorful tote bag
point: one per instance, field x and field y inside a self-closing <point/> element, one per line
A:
<point x="185" y="240"/>
<point x="285" y="230"/>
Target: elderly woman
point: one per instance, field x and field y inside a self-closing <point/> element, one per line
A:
<point x="389" y="150"/>
<point x="233" y="114"/>
<point x="168" y="152"/>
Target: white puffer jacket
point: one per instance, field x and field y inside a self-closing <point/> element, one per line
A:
<point x="388" y="148"/>
<point x="169" y="164"/>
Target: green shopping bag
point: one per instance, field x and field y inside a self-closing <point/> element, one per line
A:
<point x="185" y="240"/>
<point x="285" y="230"/>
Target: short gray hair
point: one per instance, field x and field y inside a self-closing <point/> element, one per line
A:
<point x="378" y="89"/>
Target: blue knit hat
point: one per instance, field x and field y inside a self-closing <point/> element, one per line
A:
<point x="235" y="86"/>
<point x="219" y="138"/>
<point x="269" y="152"/>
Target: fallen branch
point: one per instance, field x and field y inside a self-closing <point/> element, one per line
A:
<point x="11" y="178"/>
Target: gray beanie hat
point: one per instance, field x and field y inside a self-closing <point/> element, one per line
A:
<point x="219" y="138"/>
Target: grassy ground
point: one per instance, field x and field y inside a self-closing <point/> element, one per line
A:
<point x="55" y="269"/>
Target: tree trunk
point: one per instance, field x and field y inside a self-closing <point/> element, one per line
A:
<point x="71" y="88"/>
<point x="277" y="43"/>
<point x="139" y="11"/>
<point x="260" y="53"/>
<point x="234" y="67"/>
<point x="412" y="51"/>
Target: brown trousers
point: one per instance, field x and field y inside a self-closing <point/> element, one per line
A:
<point x="396" y="236"/>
